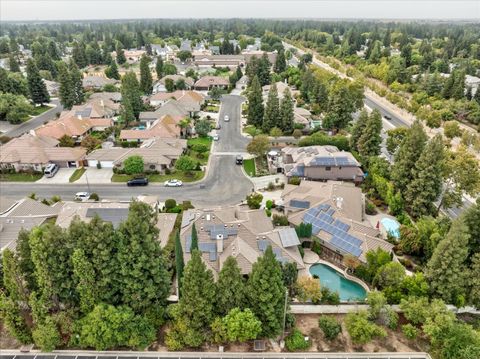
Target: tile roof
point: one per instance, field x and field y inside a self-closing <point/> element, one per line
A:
<point x="165" y="127"/>
<point x="208" y="81"/>
<point x="71" y="125"/>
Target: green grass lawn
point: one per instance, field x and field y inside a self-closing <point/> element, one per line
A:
<point x="19" y="177"/>
<point x="212" y="108"/>
<point x="249" y="166"/>
<point x="77" y="174"/>
<point x="200" y="140"/>
<point x="40" y="109"/>
<point x="180" y="175"/>
<point x="207" y="141"/>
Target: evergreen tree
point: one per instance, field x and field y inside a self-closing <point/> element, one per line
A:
<point x="112" y="71"/>
<point x="255" y="104"/>
<point x="194" y="244"/>
<point x="280" y="62"/>
<point x="179" y="263"/>
<point x="77" y="83"/>
<point x="407" y="155"/>
<point x="376" y="53"/>
<point x="358" y="129"/>
<point x="126" y="112"/>
<point x="145" y="75"/>
<point x="143" y="274"/>
<point x="36" y="86"/>
<point x="426" y="186"/>
<point x="446" y="271"/>
<point x="230" y="287"/>
<point x="266" y="293"/>
<point x="197" y="303"/>
<point x="84" y="274"/>
<point x="23" y="254"/>
<point x="121" y="59"/>
<point x="239" y="73"/>
<point x="476" y="97"/>
<point x="272" y="110"/>
<point x="159" y="67"/>
<point x="286" y="112"/>
<point x="13" y="63"/>
<point x="131" y="95"/>
<point x="79" y="55"/>
<point x="371" y="139"/>
<point x="66" y="90"/>
<point x="263" y="70"/>
<point x="474" y="281"/>
<point x="458" y="91"/>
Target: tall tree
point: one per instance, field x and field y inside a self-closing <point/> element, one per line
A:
<point x="145" y="75"/>
<point x="13" y="63"/>
<point x="36" y="86"/>
<point x="358" y="129"/>
<point x="426" y="186"/>
<point x="159" y="67"/>
<point x="79" y="55"/>
<point x="179" y="263"/>
<point x="272" y="110"/>
<point x="194" y="244"/>
<point x="143" y="273"/>
<point x="121" y="59"/>
<point x="131" y="94"/>
<point x="474" y="281"/>
<point x="280" y="62"/>
<point x="66" y="91"/>
<point x="446" y="271"/>
<point x="286" y="112"/>
<point x="255" y="104"/>
<point x="371" y="139"/>
<point x="112" y="71"/>
<point x="85" y="276"/>
<point x="266" y="293"/>
<point x="231" y="292"/>
<point x="77" y="83"/>
<point x="407" y="155"/>
<point x="263" y="70"/>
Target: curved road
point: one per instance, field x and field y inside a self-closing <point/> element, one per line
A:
<point x="224" y="184"/>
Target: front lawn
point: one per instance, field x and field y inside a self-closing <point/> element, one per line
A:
<point x="180" y="175"/>
<point x="39" y="110"/>
<point x="212" y="108"/>
<point x="20" y="177"/>
<point x="77" y="174"/>
<point x="202" y="158"/>
<point x="207" y="141"/>
<point x="249" y="167"/>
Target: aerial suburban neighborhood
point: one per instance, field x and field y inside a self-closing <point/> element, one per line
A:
<point x="217" y="187"/>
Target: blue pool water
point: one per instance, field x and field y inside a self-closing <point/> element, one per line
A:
<point x="336" y="282"/>
<point x="391" y="226"/>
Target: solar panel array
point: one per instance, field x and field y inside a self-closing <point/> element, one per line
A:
<point x="299" y="204"/>
<point x="263" y="245"/>
<point x="216" y="229"/>
<point x="84" y="113"/>
<point x="332" y="161"/>
<point x="321" y="219"/>
<point x="289" y="237"/>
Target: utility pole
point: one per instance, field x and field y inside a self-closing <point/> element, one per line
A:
<point x="88" y="184"/>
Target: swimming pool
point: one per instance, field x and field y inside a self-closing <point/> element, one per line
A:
<point x="391" y="226"/>
<point x="335" y="281"/>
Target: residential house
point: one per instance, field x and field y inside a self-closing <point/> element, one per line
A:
<point x="166" y="52"/>
<point x="164" y="126"/>
<point x="32" y="153"/>
<point x="302" y="116"/>
<point x="92" y="82"/>
<point x="336" y="211"/>
<point x="272" y="56"/>
<point x="238" y="232"/>
<point x="190" y="101"/>
<point x="115" y="97"/>
<point x="159" y="86"/>
<point x="74" y="124"/>
<point x="320" y="163"/>
<point x="158" y="154"/>
<point x="281" y="87"/>
<point x="206" y="83"/>
<point x="186" y="45"/>
<point x="22" y="215"/>
<point x="134" y="55"/>
<point x="473" y="82"/>
<point x="230" y="61"/>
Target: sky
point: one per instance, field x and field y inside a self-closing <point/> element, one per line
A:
<point x="16" y="10"/>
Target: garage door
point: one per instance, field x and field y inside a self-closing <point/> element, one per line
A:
<point x="92" y="163"/>
<point x="106" y="164"/>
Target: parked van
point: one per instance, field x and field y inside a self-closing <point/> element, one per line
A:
<point x="50" y="170"/>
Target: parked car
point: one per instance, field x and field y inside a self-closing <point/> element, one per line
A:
<point x="82" y="196"/>
<point x="388" y="118"/>
<point x="239" y="159"/>
<point x="141" y="181"/>
<point x="173" y="183"/>
<point x="215" y="137"/>
<point x="50" y="170"/>
<point x="226" y="118"/>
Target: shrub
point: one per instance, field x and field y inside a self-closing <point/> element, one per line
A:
<point x="329" y="326"/>
<point x="296" y="341"/>
<point x="133" y="165"/>
<point x="308" y="289"/>
<point x="186" y="163"/>
<point x="46" y="335"/>
<point x="94" y="197"/>
<point x="170" y="203"/>
<point x="254" y="200"/>
<point x="279" y="220"/>
<point x="321" y="139"/>
<point x="271" y="186"/>
<point x="294" y="180"/>
<point x="410" y="331"/>
<point x="200" y="148"/>
<point x="269" y="204"/>
<point x="316" y="247"/>
<point x="304" y="230"/>
<point x="361" y="330"/>
<point x="329" y="297"/>
<point x="268" y="212"/>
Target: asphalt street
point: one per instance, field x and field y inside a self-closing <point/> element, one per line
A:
<point x="224" y="183"/>
<point x="37" y="121"/>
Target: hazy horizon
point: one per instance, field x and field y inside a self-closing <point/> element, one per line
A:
<point x="88" y="10"/>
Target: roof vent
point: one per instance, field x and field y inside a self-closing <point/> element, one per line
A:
<point x="201" y="228"/>
<point x="238" y="225"/>
<point x="208" y="217"/>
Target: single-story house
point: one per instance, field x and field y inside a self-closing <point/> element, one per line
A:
<point x="115" y="97"/>
<point x="272" y="56"/>
<point x="157" y="153"/>
<point x="73" y="124"/>
<point x="206" y="83"/>
<point x="166" y="52"/>
<point x="230" y="61"/>
<point x="281" y="87"/>
<point x="239" y="232"/>
<point x="24" y="214"/>
<point x="336" y="212"/>
<point x="190" y="100"/>
<point x="165" y="126"/>
<point x="319" y="163"/>
<point x="92" y="82"/>
<point x="159" y="86"/>
<point x="31" y="152"/>
<point x="302" y="116"/>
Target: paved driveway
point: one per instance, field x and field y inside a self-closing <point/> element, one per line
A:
<point x="61" y="177"/>
<point x="96" y="176"/>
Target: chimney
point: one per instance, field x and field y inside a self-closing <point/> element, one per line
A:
<point x="219" y="243"/>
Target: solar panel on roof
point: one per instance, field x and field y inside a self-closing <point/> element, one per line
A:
<point x="299" y="204"/>
<point x="289" y="237"/>
<point x="343" y="226"/>
<point x="207" y="247"/>
<point x="345" y="246"/>
<point x="263" y="244"/>
<point x="212" y="255"/>
<point x="331" y="211"/>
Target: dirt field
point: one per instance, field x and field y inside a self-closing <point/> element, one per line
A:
<point x="394" y="342"/>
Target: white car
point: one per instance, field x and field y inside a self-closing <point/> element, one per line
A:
<point x="226" y="118"/>
<point x="215" y="137"/>
<point x="173" y="183"/>
<point x="82" y="196"/>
